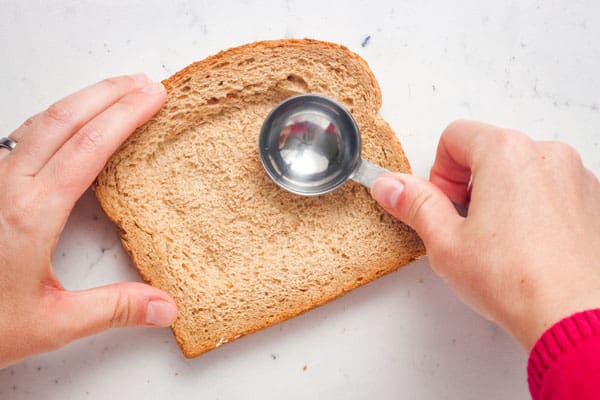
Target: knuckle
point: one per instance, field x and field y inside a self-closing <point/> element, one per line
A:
<point x="19" y="207"/>
<point x="504" y="139"/>
<point x="416" y="211"/>
<point x="566" y="153"/>
<point x="28" y="122"/>
<point x="89" y="139"/>
<point x="509" y="144"/>
<point x="122" y="313"/>
<point x="112" y="82"/>
<point x="59" y="113"/>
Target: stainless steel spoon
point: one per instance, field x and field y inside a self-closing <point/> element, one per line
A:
<point x="310" y="145"/>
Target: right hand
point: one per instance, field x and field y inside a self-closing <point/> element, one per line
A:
<point x="528" y="253"/>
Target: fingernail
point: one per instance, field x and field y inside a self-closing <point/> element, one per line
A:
<point x="140" y="79"/>
<point x="387" y="191"/>
<point x="160" y="313"/>
<point x="153" y="88"/>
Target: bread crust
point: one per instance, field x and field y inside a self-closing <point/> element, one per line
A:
<point x="125" y="180"/>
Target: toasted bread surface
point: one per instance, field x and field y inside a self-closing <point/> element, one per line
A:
<point x="203" y="221"/>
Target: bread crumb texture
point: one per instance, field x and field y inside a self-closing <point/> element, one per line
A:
<point x="202" y="220"/>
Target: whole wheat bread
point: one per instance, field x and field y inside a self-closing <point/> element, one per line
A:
<point x="202" y="220"/>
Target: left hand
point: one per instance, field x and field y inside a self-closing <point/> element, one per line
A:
<point x="58" y="154"/>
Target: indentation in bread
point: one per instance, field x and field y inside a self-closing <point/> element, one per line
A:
<point x="202" y="220"/>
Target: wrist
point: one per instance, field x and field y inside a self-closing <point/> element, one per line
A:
<point x="538" y="316"/>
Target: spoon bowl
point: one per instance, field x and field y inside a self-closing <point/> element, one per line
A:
<point x="310" y="145"/>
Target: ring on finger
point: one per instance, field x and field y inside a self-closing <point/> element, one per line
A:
<point x="7" y="143"/>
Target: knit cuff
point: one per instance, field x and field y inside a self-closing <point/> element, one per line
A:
<point x="559" y="339"/>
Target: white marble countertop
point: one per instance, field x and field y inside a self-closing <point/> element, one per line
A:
<point x="530" y="65"/>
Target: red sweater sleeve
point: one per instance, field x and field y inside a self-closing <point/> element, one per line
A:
<point x="565" y="362"/>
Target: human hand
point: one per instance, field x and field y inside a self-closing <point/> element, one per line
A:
<point x="58" y="154"/>
<point x="528" y="253"/>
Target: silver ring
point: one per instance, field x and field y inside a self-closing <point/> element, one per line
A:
<point x="7" y="143"/>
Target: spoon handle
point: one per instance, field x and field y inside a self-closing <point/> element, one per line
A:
<point x="367" y="172"/>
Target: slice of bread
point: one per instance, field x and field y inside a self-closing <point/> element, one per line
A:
<point x="203" y="221"/>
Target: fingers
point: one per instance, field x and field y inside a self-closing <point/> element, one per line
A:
<point x="74" y="167"/>
<point x="85" y="313"/>
<point x="451" y="171"/>
<point x="419" y="204"/>
<point x="42" y="135"/>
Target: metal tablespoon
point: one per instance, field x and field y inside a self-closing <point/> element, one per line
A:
<point x="310" y="145"/>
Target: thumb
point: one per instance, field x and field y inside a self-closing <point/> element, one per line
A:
<point x="92" y="311"/>
<point x="419" y="204"/>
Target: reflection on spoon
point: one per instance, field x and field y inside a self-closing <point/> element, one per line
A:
<point x="305" y="161"/>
